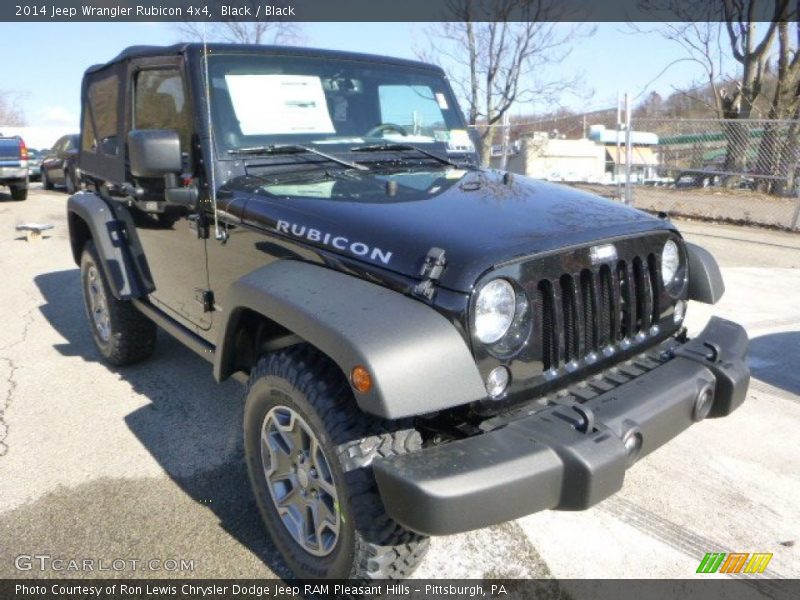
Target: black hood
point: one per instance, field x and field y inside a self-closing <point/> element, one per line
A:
<point x="479" y="219"/>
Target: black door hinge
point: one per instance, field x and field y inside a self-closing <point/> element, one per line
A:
<point x="431" y="270"/>
<point x="206" y="298"/>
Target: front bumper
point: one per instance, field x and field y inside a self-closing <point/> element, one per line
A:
<point x="568" y="456"/>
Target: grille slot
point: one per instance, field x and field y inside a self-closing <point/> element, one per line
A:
<point x="655" y="286"/>
<point x="591" y="328"/>
<point x="545" y="308"/>
<point x="570" y="316"/>
<point x="606" y="308"/>
<point x="584" y="312"/>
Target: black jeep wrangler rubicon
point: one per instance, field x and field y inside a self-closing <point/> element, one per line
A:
<point x="428" y="347"/>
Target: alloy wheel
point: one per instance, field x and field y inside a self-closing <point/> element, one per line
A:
<point x="300" y="481"/>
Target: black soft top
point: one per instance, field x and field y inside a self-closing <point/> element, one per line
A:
<point x="196" y="48"/>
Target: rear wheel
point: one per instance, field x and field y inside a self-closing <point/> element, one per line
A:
<point x="121" y="333"/>
<point x="309" y="449"/>
<point x="19" y="192"/>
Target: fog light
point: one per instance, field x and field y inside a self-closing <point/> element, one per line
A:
<point x="497" y="381"/>
<point x="703" y="403"/>
<point x="633" y="445"/>
<point x="680" y="311"/>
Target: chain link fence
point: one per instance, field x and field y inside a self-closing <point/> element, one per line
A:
<point x="744" y="171"/>
<point x="739" y="171"/>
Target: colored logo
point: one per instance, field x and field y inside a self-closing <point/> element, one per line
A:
<point x="736" y="562"/>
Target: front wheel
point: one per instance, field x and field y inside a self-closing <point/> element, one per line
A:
<point x="121" y="333"/>
<point x="308" y="449"/>
<point x="46" y="183"/>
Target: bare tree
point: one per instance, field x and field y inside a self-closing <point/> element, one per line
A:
<point x="11" y="113"/>
<point x="709" y="31"/>
<point x="244" y="32"/>
<point x="496" y="62"/>
<point x="752" y="53"/>
<point x="700" y="42"/>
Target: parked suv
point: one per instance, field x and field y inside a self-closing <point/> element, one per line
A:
<point x="60" y="164"/>
<point x="14" y="166"/>
<point x="427" y="346"/>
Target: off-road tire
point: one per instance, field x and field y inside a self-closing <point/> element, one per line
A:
<point x="46" y="183"/>
<point x="19" y="192"/>
<point x="132" y="335"/>
<point x="370" y="544"/>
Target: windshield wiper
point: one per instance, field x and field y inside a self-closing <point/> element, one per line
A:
<point x="403" y="148"/>
<point x="294" y="149"/>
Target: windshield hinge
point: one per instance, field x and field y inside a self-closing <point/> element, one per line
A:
<point x="431" y="270"/>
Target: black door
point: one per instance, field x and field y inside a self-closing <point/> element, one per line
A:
<point x="175" y="254"/>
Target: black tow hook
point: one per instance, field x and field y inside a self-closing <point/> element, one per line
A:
<point x="586" y="422"/>
<point x="709" y="351"/>
<point x="587" y="418"/>
<point x="715" y="351"/>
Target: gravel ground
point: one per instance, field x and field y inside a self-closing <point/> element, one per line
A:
<point x="737" y="206"/>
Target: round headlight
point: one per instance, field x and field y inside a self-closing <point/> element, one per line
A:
<point x="494" y="310"/>
<point x="670" y="262"/>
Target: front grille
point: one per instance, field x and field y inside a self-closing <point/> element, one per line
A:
<point x="586" y="316"/>
<point x="582" y="313"/>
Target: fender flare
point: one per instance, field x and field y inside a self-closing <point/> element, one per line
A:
<point x="117" y="244"/>
<point x="418" y="361"/>
<point x="705" y="279"/>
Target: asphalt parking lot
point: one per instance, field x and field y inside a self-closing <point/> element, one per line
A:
<point x="145" y="462"/>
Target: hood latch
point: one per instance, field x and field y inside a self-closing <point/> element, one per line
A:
<point x="431" y="270"/>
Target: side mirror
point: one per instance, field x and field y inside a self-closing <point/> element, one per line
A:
<point x="154" y="152"/>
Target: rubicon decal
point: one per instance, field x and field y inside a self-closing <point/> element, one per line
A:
<point x="735" y="562"/>
<point x="334" y="241"/>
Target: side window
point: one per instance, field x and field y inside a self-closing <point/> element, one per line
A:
<point x="100" y="117"/>
<point x="160" y="103"/>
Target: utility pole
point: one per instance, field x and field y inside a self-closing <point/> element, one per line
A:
<point x="506" y="136"/>
<point x="619" y="154"/>
<point x="628" y="151"/>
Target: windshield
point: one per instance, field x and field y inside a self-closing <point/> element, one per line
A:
<point x="264" y="100"/>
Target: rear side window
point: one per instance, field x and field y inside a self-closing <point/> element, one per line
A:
<point x="160" y="103"/>
<point x="100" y="117"/>
<point x="9" y="149"/>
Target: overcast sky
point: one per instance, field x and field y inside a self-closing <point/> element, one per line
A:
<point x="44" y="62"/>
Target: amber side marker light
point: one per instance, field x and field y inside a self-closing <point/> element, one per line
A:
<point x="361" y="379"/>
